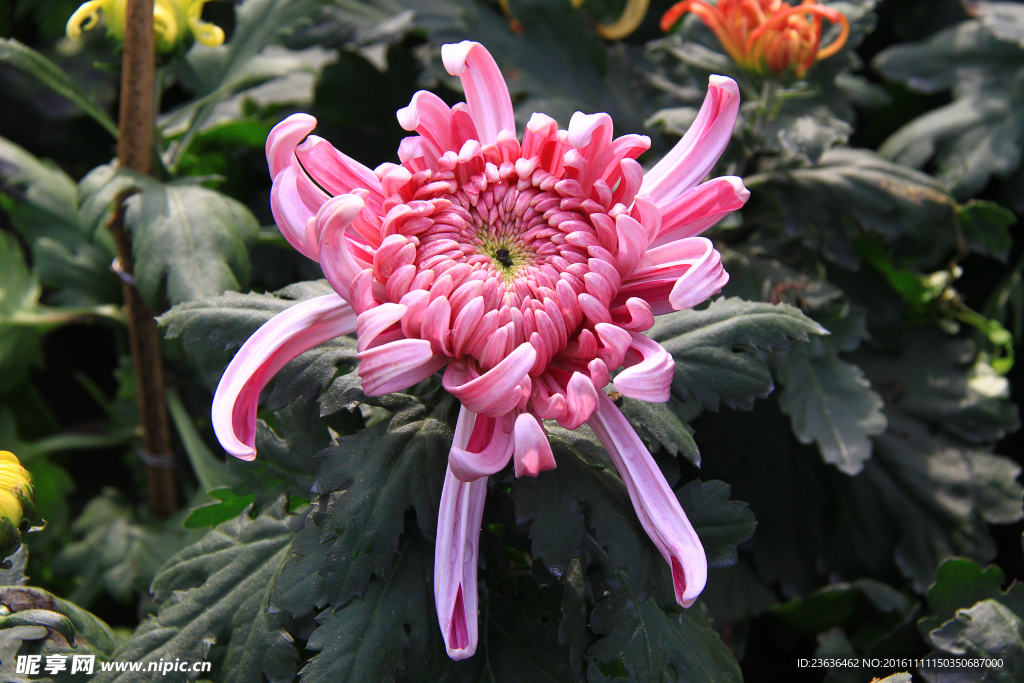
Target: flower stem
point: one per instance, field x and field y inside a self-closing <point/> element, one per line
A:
<point x="135" y="151"/>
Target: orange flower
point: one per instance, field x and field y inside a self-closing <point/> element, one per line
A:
<point x="766" y="34"/>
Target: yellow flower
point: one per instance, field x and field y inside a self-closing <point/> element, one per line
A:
<point x="16" y="506"/>
<point x="172" y="22"/>
<point x="767" y="35"/>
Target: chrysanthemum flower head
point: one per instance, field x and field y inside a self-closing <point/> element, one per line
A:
<point x="767" y="35"/>
<point x="173" y="21"/>
<point x="527" y="269"/>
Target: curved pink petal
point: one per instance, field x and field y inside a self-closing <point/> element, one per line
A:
<point x="698" y="151"/>
<point x="590" y="134"/>
<point x="705" y="279"/>
<point x="663" y="268"/>
<point x="697" y="209"/>
<point x="482" y="445"/>
<point x="455" y="563"/>
<point x="283" y="139"/>
<point x="532" y="449"/>
<point x="291" y="213"/>
<point x="486" y="93"/>
<point x="338" y="173"/>
<point x="373" y="322"/>
<point x="650" y="379"/>
<point x="656" y="505"/>
<point x="495" y="392"/>
<point x="332" y="221"/>
<point x="428" y="115"/>
<point x="282" y="338"/>
<point x="397" y="365"/>
<point x="606" y="165"/>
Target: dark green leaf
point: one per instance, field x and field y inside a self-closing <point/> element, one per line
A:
<point x="652" y="646"/>
<point x="286" y="444"/>
<point x="973" y="616"/>
<point x="19" y="297"/>
<point x="830" y="402"/>
<point x="981" y="132"/>
<point x="392" y="626"/>
<point x="719" y="350"/>
<point x="217" y="591"/>
<point x="228" y="507"/>
<point x="116" y="553"/>
<point x="580" y="495"/>
<point x="365" y="485"/>
<point x="226" y="321"/>
<point x="49" y="74"/>
<point x="720" y="523"/>
<point x="851" y="191"/>
<point x="986" y="228"/>
<point x="572" y="631"/>
<point x="657" y="422"/>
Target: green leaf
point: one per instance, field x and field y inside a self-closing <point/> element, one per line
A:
<point x="287" y="443"/>
<point x="852" y="191"/>
<point x="986" y="228"/>
<point x="49" y="74"/>
<point x="643" y="643"/>
<point x="365" y="485"/>
<point x="19" y="296"/>
<point x="215" y="74"/>
<point x="867" y="611"/>
<point x="188" y="241"/>
<point x="657" y="422"/>
<point x="217" y="591"/>
<point x="391" y="627"/>
<point x="115" y="553"/>
<point x="572" y="631"/>
<point x="719" y="350"/>
<point x="830" y="402"/>
<point x="554" y="505"/>
<point x="973" y="616"/>
<point x="721" y="524"/>
<point x="981" y="132"/>
<point x="229" y="507"/>
<point x="226" y="321"/>
<point x="582" y="497"/>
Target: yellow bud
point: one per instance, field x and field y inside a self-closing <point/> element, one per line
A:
<point x="173" y="22"/>
<point x="16" y="506"/>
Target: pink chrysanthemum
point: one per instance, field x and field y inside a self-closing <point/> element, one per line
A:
<point x="527" y="270"/>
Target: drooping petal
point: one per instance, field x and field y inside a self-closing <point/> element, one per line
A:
<point x="333" y="220"/>
<point x="532" y="449"/>
<point x="455" y="563"/>
<point x="650" y="379"/>
<point x="283" y="139"/>
<point x="696" y="153"/>
<point x="428" y="115"/>
<point x="397" y="365"/>
<point x="282" y="338"/>
<point x="494" y="392"/>
<point x="481" y="446"/>
<point x="696" y="210"/>
<point x="486" y="93"/>
<point x="656" y="505"/>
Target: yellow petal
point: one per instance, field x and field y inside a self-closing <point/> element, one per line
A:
<point x="631" y="18"/>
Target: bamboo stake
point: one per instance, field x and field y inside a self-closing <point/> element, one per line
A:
<point x="135" y="152"/>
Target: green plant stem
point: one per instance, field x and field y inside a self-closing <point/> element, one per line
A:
<point x="44" y="315"/>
